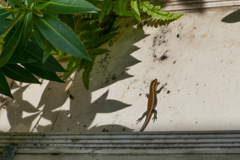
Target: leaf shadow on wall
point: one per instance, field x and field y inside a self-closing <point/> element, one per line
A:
<point x="233" y="17"/>
<point x="57" y="112"/>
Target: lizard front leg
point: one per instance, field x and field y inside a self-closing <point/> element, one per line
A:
<point x="158" y="91"/>
<point x="140" y="119"/>
<point x="155" y="115"/>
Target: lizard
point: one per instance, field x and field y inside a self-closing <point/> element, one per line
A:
<point x="152" y="103"/>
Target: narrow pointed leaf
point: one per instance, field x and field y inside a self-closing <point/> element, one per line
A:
<point x="42" y="5"/>
<point x="4" y="14"/>
<point x="18" y="73"/>
<point x="4" y="88"/>
<point x="39" y="37"/>
<point x="134" y="7"/>
<point x="13" y="24"/>
<point x="68" y="19"/>
<point x="104" y="8"/>
<point x="61" y="36"/>
<point x="33" y="51"/>
<point x="47" y="51"/>
<point x="26" y="32"/>
<point x="18" y="57"/>
<point x="4" y="24"/>
<point x="71" y="6"/>
<point x="11" y="41"/>
<point x="52" y="76"/>
<point x="110" y="7"/>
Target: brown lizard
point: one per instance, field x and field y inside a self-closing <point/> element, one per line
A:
<point x="152" y="103"/>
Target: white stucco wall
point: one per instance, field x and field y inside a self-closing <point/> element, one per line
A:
<point x="202" y="73"/>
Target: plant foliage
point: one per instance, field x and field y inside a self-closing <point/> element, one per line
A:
<point x="89" y="30"/>
<point x="92" y="36"/>
<point x="30" y="30"/>
<point x="119" y="7"/>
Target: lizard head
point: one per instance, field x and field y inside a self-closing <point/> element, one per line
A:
<point x="155" y="83"/>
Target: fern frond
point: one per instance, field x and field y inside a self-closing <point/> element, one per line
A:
<point x="72" y="65"/>
<point x="87" y="66"/>
<point x="61" y="54"/>
<point x="87" y="15"/>
<point x="134" y="7"/>
<point x="116" y="9"/>
<point x="88" y="27"/>
<point x="89" y="34"/>
<point x="96" y="42"/>
<point x="155" y="11"/>
<point x="92" y="34"/>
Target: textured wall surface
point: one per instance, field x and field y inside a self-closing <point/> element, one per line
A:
<point x="201" y="67"/>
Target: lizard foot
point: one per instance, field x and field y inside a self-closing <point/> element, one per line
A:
<point x="154" y="118"/>
<point x="147" y="95"/>
<point x="139" y="120"/>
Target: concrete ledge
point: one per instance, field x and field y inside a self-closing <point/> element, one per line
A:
<point x="135" y="144"/>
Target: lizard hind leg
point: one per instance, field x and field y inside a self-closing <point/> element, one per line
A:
<point x="155" y="115"/>
<point x="140" y="119"/>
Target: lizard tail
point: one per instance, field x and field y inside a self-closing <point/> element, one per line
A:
<point x="145" y="124"/>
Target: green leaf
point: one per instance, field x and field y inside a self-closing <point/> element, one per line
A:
<point x="122" y="5"/>
<point x="16" y="2"/>
<point x="52" y="76"/>
<point x="73" y="63"/>
<point x="4" y="88"/>
<point x="134" y="7"/>
<point x="18" y="73"/>
<point x="4" y="24"/>
<point x="155" y="12"/>
<point x="18" y="57"/>
<point x="47" y="51"/>
<point x="53" y="14"/>
<point x="68" y="19"/>
<point x="34" y="52"/>
<point x="39" y="4"/>
<point x="11" y="41"/>
<point x="109" y="9"/>
<point x="42" y="6"/>
<point x="104" y="8"/>
<point x="4" y="14"/>
<point x="26" y="32"/>
<point x="13" y="23"/>
<point x="71" y="6"/>
<point x="38" y="36"/>
<point x="61" y="36"/>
